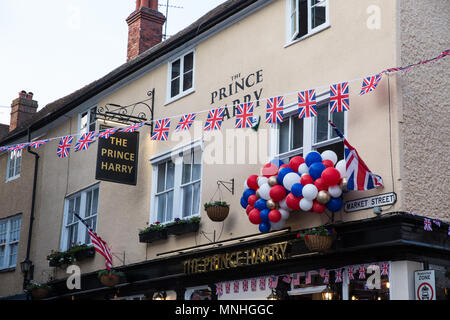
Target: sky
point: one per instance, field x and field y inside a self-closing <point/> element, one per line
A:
<point x="54" y="47"/>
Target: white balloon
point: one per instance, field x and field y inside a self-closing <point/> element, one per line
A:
<point x="310" y="192"/>
<point x="283" y="204"/>
<point x="262" y="180"/>
<point x="340" y="166"/>
<point x="277" y="225"/>
<point x="264" y="191"/>
<point x="335" y="191"/>
<point x="306" y="204"/>
<point x="284" y="214"/>
<point x="290" y="179"/>
<point x="303" y="168"/>
<point x="329" y="155"/>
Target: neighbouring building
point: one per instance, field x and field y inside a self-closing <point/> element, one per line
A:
<point x="242" y="51"/>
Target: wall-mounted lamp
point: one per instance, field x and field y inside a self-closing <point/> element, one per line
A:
<point x="161" y="295"/>
<point x="273" y="295"/>
<point x="327" y="294"/>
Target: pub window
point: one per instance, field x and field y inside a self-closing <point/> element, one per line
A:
<point x="181" y="76"/>
<point x="13" y="165"/>
<point x="9" y="241"/>
<point x="306" y="17"/>
<point x="87" y="121"/>
<point x="85" y="204"/>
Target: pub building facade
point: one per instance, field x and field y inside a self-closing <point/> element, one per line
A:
<point x="242" y="51"/>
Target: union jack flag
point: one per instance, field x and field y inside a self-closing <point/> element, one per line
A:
<point x="3" y="148"/>
<point x="287" y="278"/>
<point x="185" y="122"/>
<point x="362" y="272"/>
<point x="295" y="279"/>
<point x="161" y="131"/>
<point x="107" y="133"/>
<point x="262" y="283"/>
<point x="437" y="222"/>
<point x="385" y="269"/>
<point x="307" y="104"/>
<point x="338" y="275"/>
<point x="17" y="147"/>
<point x="85" y="141"/>
<point x="370" y="83"/>
<point x="326" y="277"/>
<point x="448" y="233"/>
<point x="253" y="284"/>
<point x="308" y="278"/>
<point x="358" y="174"/>
<point x="245" y="285"/>
<point x="236" y="286"/>
<point x="244" y="115"/>
<point x="339" y="97"/>
<point x="427" y="224"/>
<point x="273" y="282"/>
<point x="133" y="127"/>
<point x="64" y="146"/>
<point x="219" y="289"/>
<point x="350" y="272"/>
<point x="274" y="113"/>
<point x="214" y="120"/>
<point x="38" y="144"/>
<point x="227" y="287"/>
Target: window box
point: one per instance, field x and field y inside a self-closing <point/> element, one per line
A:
<point x="152" y="235"/>
<point x="180" y="227"/>
<point x="77" y="253"/>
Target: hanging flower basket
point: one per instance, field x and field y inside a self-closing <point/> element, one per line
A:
<point x="318" y="239"/>
<point x="217" y="211"/>
<point x="110" y="278"/>
<point x="38" y="291"/>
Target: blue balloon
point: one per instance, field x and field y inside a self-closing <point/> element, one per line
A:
<point x="248" y="193"/>
<point x="315" y="170"/>
<point x="277" y="162"/>
<point x="264" y="215"/>
<point x="244" y="203"/>
<point x="260" y="204"/>
<point x="264" y="227"/>
<point x="313" y="157"/>
<point x="335" y="204"/>
<point x="297" y="189"/>
<point x="284" y="171"/>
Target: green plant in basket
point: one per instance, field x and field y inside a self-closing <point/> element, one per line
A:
<point x="216" y="204"/>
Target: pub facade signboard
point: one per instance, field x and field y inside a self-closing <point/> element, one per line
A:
<point x="117" y="158"/>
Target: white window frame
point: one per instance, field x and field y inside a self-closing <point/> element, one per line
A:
<point x="291" y="35"/>
<point x="16" y="162"/>
<point x="10" y="243"/>
<point x="89" y="121"/>
<point x="81" y="230"/>
<point x="309" y="127"/>
<point x="176" y="155"/>
<point x="181" y="93"/>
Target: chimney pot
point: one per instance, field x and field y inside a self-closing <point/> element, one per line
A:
<point x="22" y="109"/>
<point x="30" y="95"/>
<point x="22" y="94"/>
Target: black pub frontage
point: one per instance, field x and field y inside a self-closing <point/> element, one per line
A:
<point x="370" y="259"/>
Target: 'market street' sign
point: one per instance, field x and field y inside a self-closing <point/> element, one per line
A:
<point x="370" y="202"/>
<point x="117" y="158"/>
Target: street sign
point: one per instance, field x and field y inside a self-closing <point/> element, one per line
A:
<point x="370" y="202"/>
<point x="425" y="286"/>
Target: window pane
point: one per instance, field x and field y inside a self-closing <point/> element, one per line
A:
<point x="175" y="87"/>
<point x="92" y="118"/>
<point x="161" y="200"/>
<point x="161" y="177"/>
<point x="18" y="163"/>
<point x="197" y="166"/>
<point x="77" y="206"/>
<point x="13" y="255"/>
<point x="92" y="223"/>
<point x="284" y="136"/>
<point x="2" y="256"/>
<point x="187" y="201"/>
<point x="187" y="80"/>
<point x="84" y="123"/>
<point x="338" y="119"/>
<point x="322" y="123"/>
<point x="188" y="62"/>
<point x="95" y="201"/>
<point x="176" y="69"/>
<point x="88" y="204"/>
<point x="72" y="237"/>
<point x="303" y="18"/>
<point x="318" y="12"/>
<point x="169" y="215"/>
<point x="196" y="202"/>
<point x="3" y="226"/>
<point x="186" y="172"/>
<point x="170" y="175"/>
<point x="297" y="132"/>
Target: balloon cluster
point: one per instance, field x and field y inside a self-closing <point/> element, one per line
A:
<point x="314" y="183"/>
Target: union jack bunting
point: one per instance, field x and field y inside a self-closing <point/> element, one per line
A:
<point x="274" y="113"/>
<point x="326" y="277"/>
<point x="273" y="282"/>
<point x="287" y="278"/>
<point x="107" y="133"/>
<point x="214" y="120"/>
<point x="427" y="224"/>
<point x="85" y="141"/>
<point x="227" y="287"/>
<point x="295" y="279"/>
<point x="262" y="283"/>
<point x="362" y="272"/>
<point x="64" y="147"/>
<point x="245" y="285"/>
<point x="338" y="275"/>
<point x="253" y="284"/>
<point x="358" y="174"/>
<point x="370" y="83"/>
<point x="307" y="104"/>
<point x="38" y="144"/>
<point x="308" y="277"/>
<point x="385" y="269"/>
<point x="161" y="131"/>
<point x="133" y="127"/>
<point x="236" y="286"/>
<point x="350" y="273"/>
<point x="437" y="222"/>
<point x="17" y="147"/>
<point x="448" y="233"/>
<point x="339" y="97"/>
<point x="185" y="122"/>
<point x="3" y="148"/>
<point x="244" y="116"/>
<point x="219" y="289"/>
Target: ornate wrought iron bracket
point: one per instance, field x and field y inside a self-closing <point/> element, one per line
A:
<point x="231" y="188"/>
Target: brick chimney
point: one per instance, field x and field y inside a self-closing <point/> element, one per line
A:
<point x="22" y="109"/>
<point x="144" y="27"/>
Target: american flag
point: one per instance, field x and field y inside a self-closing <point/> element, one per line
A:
<point x="350" y="272"/>
<point x="17" y="147"/>
<point x="161" y="131"/>
<point x="385" y="269"/>
<point x="214" y="120"/>
<point x="185" y="122"/>
<point x="219" y="289"/>
<point x="227" y="287"/>
<point x="236" y="286"/>
<point x="338" y="275"/>
<point x="274" y="113"/>
<point x="362" y="272"/>
<point x="370" y="83"/>
<point x="427" y="224"/>
<point x="64" y="147"/>
<point x="358" y="174"/>
<point x="245" y="285"/>
<point x="38" y="144"/>
<point x="107" y="133"/>
<point x="244" y="116"/>
<point x="307" y="104"/>
<point x="262" y="283"/>
<point x="339" y="97"/>
<point x="85" y="141"/>
<point x="133" y="127"/>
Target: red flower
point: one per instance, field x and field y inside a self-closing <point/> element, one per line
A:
<point x="306" y="237"/>
<point x="157" y="223"/>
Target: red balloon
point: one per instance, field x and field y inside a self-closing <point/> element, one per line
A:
<point x="293" y="202"/>
<point x="269" y="170"/>
<point x="284" y="166"/>
<point x="254" y="217"/>
<point x="296" y="162"/>
<point x="252" y="199"/>
<point x="252" y="182"/>
<point x="320" y="185"/>
<point x="331" y="176"/>
<point x="328" y="163"/>
<point x="306" y="179"/>
<point x="277" y="193"/>
<point x="318" y="207"/>
<point x="274" y="216"/>
<point x="249" y="208"/>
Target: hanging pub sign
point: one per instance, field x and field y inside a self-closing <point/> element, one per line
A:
<point x="370" y="202"/>
<point x="117" y="158"/>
